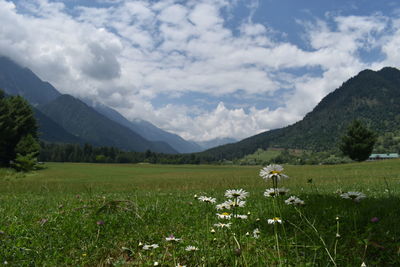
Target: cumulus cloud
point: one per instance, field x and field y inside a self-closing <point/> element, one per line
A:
<point x="128" y="53"/>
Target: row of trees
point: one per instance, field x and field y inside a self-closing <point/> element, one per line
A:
<point x="19" y="145"/>
<point x="89" y="153"/>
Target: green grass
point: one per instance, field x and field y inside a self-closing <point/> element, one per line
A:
<point x="50" y="217"/>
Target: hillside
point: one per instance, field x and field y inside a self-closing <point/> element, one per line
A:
<point x="16" y="80"/>
<point x="371" y="96"/>
<point x="86" y="123"/>
<point x="148" y="130"/>
<point x="50" y="131"/>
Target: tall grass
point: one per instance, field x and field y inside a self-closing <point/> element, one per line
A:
<point x="94" y="214"/>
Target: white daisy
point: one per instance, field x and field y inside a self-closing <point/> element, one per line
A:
<point x="148" y="247"/>
<point x="224" y="215"/>
<point x="179" y="265"/>
<point x="207" y="199"/>
<point x="223" y="225"/>
<point x="173" y="238"/>
<point x="272" y="192"/>
<point x="272" y="171"/>
<point x="294" y="201"/>
<point x="355" y="196"/>
<point x="230" y="204"/>
<point x="191" y="248"/>
<point x="236" y="193"/>
<point x="274" y="220"/>
<point x="242" y="217"/>
<point x="256" y="233"/>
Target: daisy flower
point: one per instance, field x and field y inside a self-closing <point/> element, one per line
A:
<point x="173" y="238"/>
<point x="272" y="171"/>
<point x="224" y="215"/>
<point x="274" y="220"/>
<point x="355" y="196"/>
<point x="207" y="199"/>
<point x="179" y="265"/>
<point x="294" y="201"/>
<point x="242" y="217"/>
<point x="231" y="203"/>
<point x="191" y="248"/>
<point x="256" y="233"/>
<point x="236" y="193"/>
<point x="223" y="225"/>
<point x="148" y="247"/>
<point x="272" y="192"/>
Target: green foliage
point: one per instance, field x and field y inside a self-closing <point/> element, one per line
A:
<point x="18" y="130"/>
<point x="358" y="141"/>
<point x="25" y="163"/>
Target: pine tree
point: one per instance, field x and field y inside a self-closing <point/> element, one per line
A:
<point x="16" y="122"/>
<point x="358" y="141"/>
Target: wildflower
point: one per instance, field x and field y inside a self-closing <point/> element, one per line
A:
<point x="140" y="244"/>
<point x="242" y="217"/>
<point x="156" y="263"/>
<point x="230" y="204"/>
<point x="207" y="199"/>
<point x="179" y="265"/>
<point x="274" y="220"/>
<point x="294" y="201"/>
<point x="363" y="264"/>
<point x="212" y="231"/>
<point x="256" y="233"/>
<point x="101" y="222"/>
<point x="191" y="248"/>
<point x="195" y="196"/>
<point x="223" y="225"/>
<point x="274" y="192"/>
<point x="236" y="193"/>
<point x="148" y="247"/>
<point x="247" y="234"/>
<point x="355" y="196"/>
<point x="374" y="219"/>
<point x="272" y="171"/>
<point x="224" y="215"/>
<point x="173" y="238"/>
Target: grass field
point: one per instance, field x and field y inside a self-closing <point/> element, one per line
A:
<point x="103" y="214"/>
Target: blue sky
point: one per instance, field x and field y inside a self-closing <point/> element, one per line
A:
<point x="207" y="68"/>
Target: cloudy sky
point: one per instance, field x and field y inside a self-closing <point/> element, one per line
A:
<point x="203" y="68"/>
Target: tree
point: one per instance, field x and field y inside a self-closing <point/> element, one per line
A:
<point x="358" y="142"/>
<point x="17" y="129"/>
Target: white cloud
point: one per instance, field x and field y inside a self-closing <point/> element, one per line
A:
<point x="132" y="52"/>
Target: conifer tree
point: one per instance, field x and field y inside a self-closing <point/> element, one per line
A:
<point x="358" y="141"/>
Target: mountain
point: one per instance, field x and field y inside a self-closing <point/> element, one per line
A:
<point x="51" y="132"/>
<point x="84" y="122"/>
<point x="16" y="80"/>
<point x="215" y="142"/>
<point x="371" y="96"/>
<point x="147" y="130"/>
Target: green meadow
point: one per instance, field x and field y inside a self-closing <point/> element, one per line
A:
<point x="108" y="214"/>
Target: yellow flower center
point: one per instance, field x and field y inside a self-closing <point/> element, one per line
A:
<point x="225" y="214"/>
<point x="276" y="219"/>
<point x="275" y="172"/>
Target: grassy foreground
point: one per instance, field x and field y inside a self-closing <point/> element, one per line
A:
<point x="105" y="215"/>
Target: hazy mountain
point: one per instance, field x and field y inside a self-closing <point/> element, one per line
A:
<point x="371" y="96"/>
<point x="147" y="129"/>
<point x="16" y="80"/>
<point x="86" y="123"/>
<point x="52" y="132"/>
<point x="215" y="142"/>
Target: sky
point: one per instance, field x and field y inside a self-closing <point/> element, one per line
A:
<point x="202" y="69"/>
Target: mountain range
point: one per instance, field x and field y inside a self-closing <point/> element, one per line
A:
<point x="371" y="96"/>
<point x="66" y="119"/>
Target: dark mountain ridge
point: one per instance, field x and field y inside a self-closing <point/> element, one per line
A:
<point x="86" y="123"/>
<point x="371" y="96"/>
